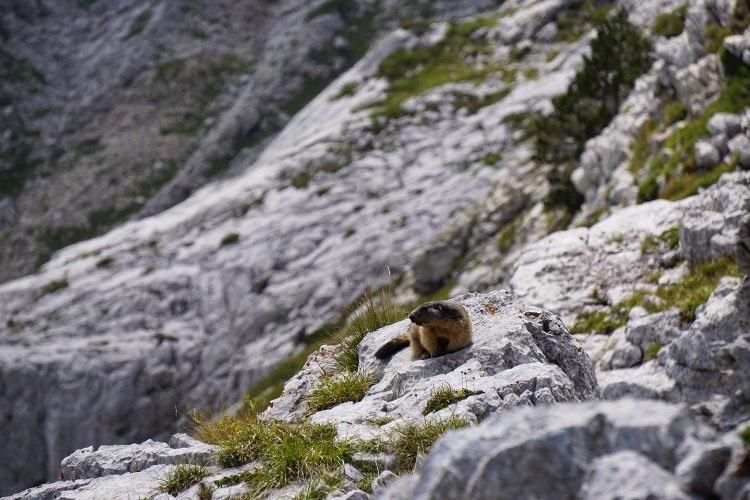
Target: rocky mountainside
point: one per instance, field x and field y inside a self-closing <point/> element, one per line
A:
<point x="450" y="158"/>
<point x="117" y="110"/>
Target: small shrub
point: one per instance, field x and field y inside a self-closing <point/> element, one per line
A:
<point x="339" y="388"/>
<point x="230" y="239"/>
<point x="444" y="396"/>
<point x="671" y="23"/>
<point x="181" y="478"/>
<point x="54" y="286"/>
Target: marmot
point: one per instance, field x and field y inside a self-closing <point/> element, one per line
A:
<point x="439" y="327"/>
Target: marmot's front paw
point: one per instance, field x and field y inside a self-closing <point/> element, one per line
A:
<point x="425" y="355"/>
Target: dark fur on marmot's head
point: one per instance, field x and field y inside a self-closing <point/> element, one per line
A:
<point x="437" y="311"/>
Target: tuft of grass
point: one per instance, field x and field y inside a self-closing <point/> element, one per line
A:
<point x="670" y="24"/>
<point x="670" y="238"/>
<point x="507" y="236"/>
<point x="181" y="478"/>
<point x="287" y="452"/>
<point x="381" y="421"/>
<point x="531" y="73"/>
<point x="412" y="438"/>
<point x="313" y="490"/>
<point x="444" y="395"/>
<point x="491" y="159"/>
<point x="54" y="286"/>
<point x="603" y="322"/>
<point x="652" y="350"/>
<point x="346" y="90"/>
<point x="339" y="388"/>
<point x="375" y="311"/>
<point x="230" y="239"/>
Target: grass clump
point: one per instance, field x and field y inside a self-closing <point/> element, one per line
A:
<point x="412" y="438"/>
<point x="670" y="24"/>
<point x="230" y="239"/>
<point x="346" y="90"/>
<point x="54" y="286"/>
<point x="287" y="452"/>
<point x="652" y="350"/>
<point x="670" y="239"/>
<point x="374" y="311"/>
<point x="181" y="478"/>
<point x="603" y="322"/>
<point x="444" y="396"/>
<point x="339" y="388"/>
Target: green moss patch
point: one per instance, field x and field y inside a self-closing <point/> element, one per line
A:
<point x="444" y="396"/>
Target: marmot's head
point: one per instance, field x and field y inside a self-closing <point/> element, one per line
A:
<point x="437" y="311"/>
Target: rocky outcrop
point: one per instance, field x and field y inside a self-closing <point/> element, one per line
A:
<point x="633" y="448"/>
<point x="519" y="356"/>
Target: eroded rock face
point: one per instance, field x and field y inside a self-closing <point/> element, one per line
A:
<point x="519" y="356"/>
<point x="592" y="450"/>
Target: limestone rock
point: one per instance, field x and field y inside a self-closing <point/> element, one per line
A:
<point x="593" y="450"/>
<point x="706" y="154"/>
<point x="740" y="146"/>
<point x="118" y="459"/>
<point x="699" y="83"/>
<point x="519" y="356"/>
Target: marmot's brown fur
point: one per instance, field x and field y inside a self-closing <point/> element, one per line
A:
<point x="439" y="327"/>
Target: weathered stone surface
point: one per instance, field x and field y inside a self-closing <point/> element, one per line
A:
<point x="739" y="45"/>
<point x="86" y="463"/>
<point x="519" y="356"/>
<point x="740" y="146"/>
<point x="593" y="450"/>
<point x="706" y="154"/>
<point x="384" y="479"/>
<point x="708" y="228"/>
<point x="525" y="23"/>
<point x="699" y="83"/>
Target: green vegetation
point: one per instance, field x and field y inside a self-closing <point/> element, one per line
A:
<point x="669" y="238"/>
<point x="681" y="175"/>
<point x="473" y="103"/>
<point x="686" y="295"/>
<point x="714" y="34"/>
<point x="181" y="478"/>
<point x="414" y="72"/>
<point x="349" y="231"/>
<point x="575" y="21"/>
<point x="652" y="350"/>
<point x="507" y="237"/>
<point x="347" y="89"/>
<point x="413" y="438"/>
<point x="374" y="311"/>
<point x="230" y="239"/>
<point x="492" y="159"/>
<point x="531" y="73"/>
<point x="339" y="388"/>
<point x="313" y="490"/>
<point x="105" y="262"/>
<point x="444" y="396"/>
<point x="287" y="452"/>
<point x="139" y="24"/>
<point x="670" y="24"/>
<point x="381" y="421"/>
<point x="619" y="55"/>
<point x="745" y="436"/>
<point x="54" y="286"/>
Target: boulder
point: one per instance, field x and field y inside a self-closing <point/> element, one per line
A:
<point x="592" y="450"/>
<point x="706" y="154"/>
